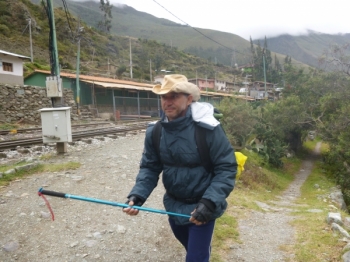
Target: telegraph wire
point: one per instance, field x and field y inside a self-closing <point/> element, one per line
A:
<point x="211" y="39"/>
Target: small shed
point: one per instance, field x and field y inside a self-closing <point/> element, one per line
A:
<point x="11" y="68"/>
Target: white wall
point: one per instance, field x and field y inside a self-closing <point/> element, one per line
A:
<point x="220" y="85"/>
<point x="17" y="65"/>
<point x="15" y="77"/>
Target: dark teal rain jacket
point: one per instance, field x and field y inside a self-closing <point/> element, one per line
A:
<point x="183" y="176"/>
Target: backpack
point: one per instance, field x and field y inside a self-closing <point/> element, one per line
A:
<point x="200" y="135"/>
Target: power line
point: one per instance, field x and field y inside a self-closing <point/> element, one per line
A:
<point x="67" y="14"/>
<point x="211" y="39"/>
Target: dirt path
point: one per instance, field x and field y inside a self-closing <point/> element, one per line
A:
<point x="263" y="233"/>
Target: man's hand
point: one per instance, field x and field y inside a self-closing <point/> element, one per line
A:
<point x="203" y="212"/>
<point x="133" y="200"/>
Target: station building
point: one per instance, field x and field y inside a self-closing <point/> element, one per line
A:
<point x="104" y="95"/>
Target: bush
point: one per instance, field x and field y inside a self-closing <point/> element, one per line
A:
<point x="4" y="30"/>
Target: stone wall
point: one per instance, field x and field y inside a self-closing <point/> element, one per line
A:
<point x="21" y="103"/>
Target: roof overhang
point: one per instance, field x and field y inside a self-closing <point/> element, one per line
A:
<point x="116" y="86"/>
<point x="13" y="54"/>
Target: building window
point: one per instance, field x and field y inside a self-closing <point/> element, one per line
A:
<point x="7" y="67"/>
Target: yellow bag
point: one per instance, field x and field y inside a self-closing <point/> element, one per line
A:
<point x="240" y="158"/>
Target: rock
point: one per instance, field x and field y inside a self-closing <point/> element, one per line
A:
<point x="3" y="155"/>
<point x="25" y="167"/>
<point x="334" y="218"/>
<point x="121" y="229"/>
<point x="87" y="140"/>
<point x="10" y="246"/>
<point x="10" y="172"/>
<point x="336" y="227"/>
<point x="45" y="214"/>
<point x="346" y="257"/>
<point x="74" y="244"/>
<point x="90" y="243"/>
<point x="337" y="197"/>
<point x="97" y="235"/>
<point x="347" y="247"/>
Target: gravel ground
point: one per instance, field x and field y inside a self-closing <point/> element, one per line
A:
<point x="84" y="231"/>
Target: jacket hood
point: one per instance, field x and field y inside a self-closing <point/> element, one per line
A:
<point x="204" y="113"/>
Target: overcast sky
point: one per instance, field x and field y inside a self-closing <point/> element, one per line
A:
<point x="255" y="18"/>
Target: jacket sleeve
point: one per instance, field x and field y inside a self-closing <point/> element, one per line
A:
<point x="150" y="168"/>
<point x="225" y="166"/>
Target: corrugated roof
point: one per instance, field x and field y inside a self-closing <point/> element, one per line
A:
<point x="98" y="79"/>
<point x="119" y="84"/>
<point x="13" y="54"/>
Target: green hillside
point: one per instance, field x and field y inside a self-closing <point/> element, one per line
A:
<point x="126" y="21"/>
<point x="306" y="48"/>
<point x="129" y="22"/>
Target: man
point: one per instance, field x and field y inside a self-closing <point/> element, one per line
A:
<point x="190" y="188"/>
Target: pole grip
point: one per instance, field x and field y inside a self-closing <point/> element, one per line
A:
<point x="52" y="193"/>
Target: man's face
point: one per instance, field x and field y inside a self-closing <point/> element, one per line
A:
<point x="175" y="105"/>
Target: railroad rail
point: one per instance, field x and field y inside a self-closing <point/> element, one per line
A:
<point x="34" y="129"/>
<point x="76" y="136"/>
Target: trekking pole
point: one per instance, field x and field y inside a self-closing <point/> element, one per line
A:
<point x="105" y="202"/>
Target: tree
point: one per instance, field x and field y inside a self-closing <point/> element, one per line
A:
<point x="121" y="69"/>
<point x="239" y="120"/>
<point x="105" y="25"/>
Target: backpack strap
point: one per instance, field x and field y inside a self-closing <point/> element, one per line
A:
<point x="201" y="142"/>
<point x="156" y="132"/>
<point x="203" y="149"/>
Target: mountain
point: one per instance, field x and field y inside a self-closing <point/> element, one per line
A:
<point x="156" y="43"/>
<point x="305" y="48"/>
<point x="215" y="46"/>
<point x="100" y="53"/>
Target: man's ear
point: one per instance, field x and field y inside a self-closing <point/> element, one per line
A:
<point x="189" y="99"/>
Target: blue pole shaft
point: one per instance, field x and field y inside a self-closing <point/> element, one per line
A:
<point x="110" y="203"/>
<point x="100" y="201"/>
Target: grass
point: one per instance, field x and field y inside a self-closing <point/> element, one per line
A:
<point x="256" y="183"/>
<point x="315" y="240"/>
<point x="8" y="126"/>
<point x="40" y="168"/>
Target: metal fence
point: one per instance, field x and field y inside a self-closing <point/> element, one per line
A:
<point x="124" y="107"/>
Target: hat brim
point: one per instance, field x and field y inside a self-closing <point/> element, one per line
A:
<point x="183" y="87"/>
<point x="157" y="90"/>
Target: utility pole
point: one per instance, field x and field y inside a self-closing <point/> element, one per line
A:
<point x="246" y="86"/>
<point x="265" y="95"/>
<point x="56" y="120"/>
<point x="30" y="35"/>
<point x="130" y="59"/>
<point x="150" y="69"/>
<point x="80" y="29"/>
<point x="206" y="84"/>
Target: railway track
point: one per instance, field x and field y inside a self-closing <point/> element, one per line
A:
<point x="76" y="136"/>
<point x="35" y="129"/>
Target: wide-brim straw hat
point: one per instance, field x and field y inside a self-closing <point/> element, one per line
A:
<point x="177" y="84"/>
